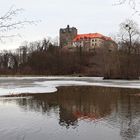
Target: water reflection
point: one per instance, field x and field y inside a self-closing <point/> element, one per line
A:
<point x="118" y="108"/>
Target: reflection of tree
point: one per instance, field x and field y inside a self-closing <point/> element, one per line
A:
<point x="74" y="102"/>
<point x="67" y="118"/>
<point x="92" y="103"/>
<point x="42" y="103"/>
<point x="126" y="115"/>
<point x="129" y="112"/>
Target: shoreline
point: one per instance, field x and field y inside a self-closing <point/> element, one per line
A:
<point x="25" y="95"/>
<point x="78" y="76"/>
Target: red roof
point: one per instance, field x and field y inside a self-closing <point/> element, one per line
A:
<point x="91" y="116"/>
<point x="90" y="36"/>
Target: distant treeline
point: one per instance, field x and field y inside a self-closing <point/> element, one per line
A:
<point x="45" y="58"/>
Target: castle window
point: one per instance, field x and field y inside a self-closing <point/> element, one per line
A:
<point x="94" y="40"/>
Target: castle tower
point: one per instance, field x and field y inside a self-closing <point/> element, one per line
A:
<point x="67" y="35"/>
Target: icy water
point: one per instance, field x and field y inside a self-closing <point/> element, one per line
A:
<point x="71" y="109"/>
<point x="18" y="85"/>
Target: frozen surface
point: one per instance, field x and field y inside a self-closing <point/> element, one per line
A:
<point x="18" y="85"/>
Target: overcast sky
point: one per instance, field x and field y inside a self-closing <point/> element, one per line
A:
<point x="88" y="16"/>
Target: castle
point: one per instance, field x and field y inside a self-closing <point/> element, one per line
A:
<point x="67" y="35"/>
<point x="70" y="39"/>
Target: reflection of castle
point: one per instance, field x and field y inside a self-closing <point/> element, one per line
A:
<point x="69" y="39"/>
<point x="74" y="103"/>
<point x="83" y="103"/>
<point x="119" y="109"/>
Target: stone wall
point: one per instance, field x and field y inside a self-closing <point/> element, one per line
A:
<point x="67" y="35"/>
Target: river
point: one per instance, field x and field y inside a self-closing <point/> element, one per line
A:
<point x="69" y="108"/>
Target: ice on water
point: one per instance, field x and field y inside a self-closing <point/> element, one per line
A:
<point x="18" y="85"/>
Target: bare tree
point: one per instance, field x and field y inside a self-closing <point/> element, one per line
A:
<point x="130" y="34"/>
<point x="128" y="54"/>
<point x="9" y="22"/>
<point x="134" y="4"/>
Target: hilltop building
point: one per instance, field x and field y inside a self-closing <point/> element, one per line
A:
<point x="70" y="39"/>
<point x="67" y="35"/>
